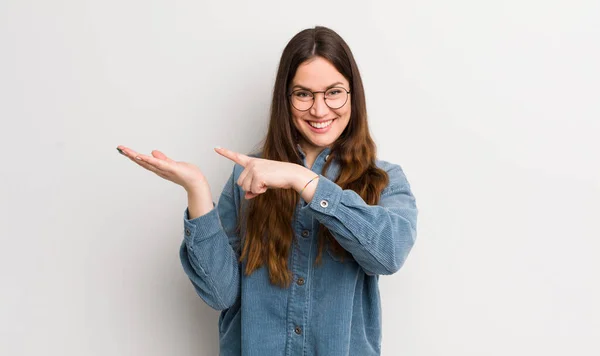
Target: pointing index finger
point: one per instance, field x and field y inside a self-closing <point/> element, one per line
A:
<point x="238" y="158"/>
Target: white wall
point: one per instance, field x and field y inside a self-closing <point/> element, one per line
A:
<point x="490" y="107"/>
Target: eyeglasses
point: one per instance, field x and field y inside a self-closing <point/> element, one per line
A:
<point x="303" y="99"/>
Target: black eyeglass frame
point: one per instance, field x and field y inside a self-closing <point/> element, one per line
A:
<point x="317" y="92"/>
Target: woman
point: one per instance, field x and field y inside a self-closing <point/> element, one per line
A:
<point x="292" y="253"/>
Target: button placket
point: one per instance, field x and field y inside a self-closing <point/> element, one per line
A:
<point x="304" y="230"/>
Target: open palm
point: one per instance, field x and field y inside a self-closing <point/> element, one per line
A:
<point x="184" y="174"/>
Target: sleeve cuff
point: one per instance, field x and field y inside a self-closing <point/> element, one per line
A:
<point x="326" y="198"/>
<point x="202" y="227"/>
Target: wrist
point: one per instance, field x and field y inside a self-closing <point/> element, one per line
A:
<point x="302" y="177"/>
<point x="197" y="188"/>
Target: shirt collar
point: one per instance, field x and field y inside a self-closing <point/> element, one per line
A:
<point x="302" y="154"/>
<point x="324" y="153"/>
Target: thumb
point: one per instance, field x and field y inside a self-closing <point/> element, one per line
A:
<point x="161" y="155"/>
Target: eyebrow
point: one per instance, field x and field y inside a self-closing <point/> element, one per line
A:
<point x="330" y="86"/>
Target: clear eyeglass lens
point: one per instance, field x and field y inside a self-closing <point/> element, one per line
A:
<point x="335" y="98"/>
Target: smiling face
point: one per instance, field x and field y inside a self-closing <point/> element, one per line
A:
<point x="320" y="126"/>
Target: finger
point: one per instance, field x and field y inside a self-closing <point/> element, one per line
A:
<point x="258" y="186"/>
<point x="157" y="159"/>
<point x="250" y="195"/>
<point x="126" y="151"/>
<point x="247" y="183"/>
<point x="242" y="176"/>
<point x="238" y="158"/>
<point x="146" y="165"/>
<point x="131" y="154"/>
<point x="153" y="169"/>
<point x="158" y="164"/>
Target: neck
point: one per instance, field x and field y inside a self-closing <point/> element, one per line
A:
<point x="310" y="152"/>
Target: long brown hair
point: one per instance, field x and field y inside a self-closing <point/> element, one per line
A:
<point x="268" y="224"/>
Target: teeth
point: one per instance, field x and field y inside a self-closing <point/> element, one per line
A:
<point x="320" y="125"/>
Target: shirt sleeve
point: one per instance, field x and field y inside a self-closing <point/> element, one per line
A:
<point x="379" y="237"/>
<point x="209" y="252"/>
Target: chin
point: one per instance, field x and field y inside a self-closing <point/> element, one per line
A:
<point x="320" y="143"/>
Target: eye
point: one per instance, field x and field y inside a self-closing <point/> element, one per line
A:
<point x="302" y="94"/>
<point x="334" y="92"/>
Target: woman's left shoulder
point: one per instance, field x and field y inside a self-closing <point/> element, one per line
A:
<point x="395" y="173"/>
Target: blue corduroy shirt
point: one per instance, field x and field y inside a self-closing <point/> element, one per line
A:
<point x="330" y="309"/>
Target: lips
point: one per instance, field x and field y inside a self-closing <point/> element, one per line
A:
<point x="319" y="124"/>
<point x="320" y="130"/>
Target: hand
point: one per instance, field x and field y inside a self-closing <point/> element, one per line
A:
<point x="182" y="173"/>
<point x="261" y="174"/>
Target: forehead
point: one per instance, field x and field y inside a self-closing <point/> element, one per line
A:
<point x="317" y="73"/>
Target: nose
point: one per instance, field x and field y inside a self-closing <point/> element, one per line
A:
<point x="319" y="108"/>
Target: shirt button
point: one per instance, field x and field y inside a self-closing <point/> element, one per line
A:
<point x="324" y="203"/>
<point x="300" y="281"/>
<point x="326" y="157"/>
<point x="187" y="232"/>
<point x="298" y="330"/>
<point x="305" y="233"/>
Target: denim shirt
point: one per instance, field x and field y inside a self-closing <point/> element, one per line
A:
<point x="330" y="309"/>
